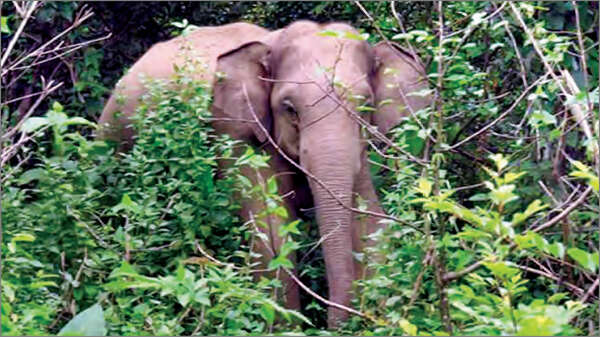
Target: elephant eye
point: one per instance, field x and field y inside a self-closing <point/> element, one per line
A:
<point x="289" y="108"/>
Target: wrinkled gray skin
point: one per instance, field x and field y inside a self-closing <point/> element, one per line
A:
<point x="310" y="128"/>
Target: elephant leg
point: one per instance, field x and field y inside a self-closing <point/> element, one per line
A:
<point x="264" y="249"/>
<point x="362" y="224"/>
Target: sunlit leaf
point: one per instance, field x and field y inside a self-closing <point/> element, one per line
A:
<point x="424" y="186"/>
<point x="33" y="123"/>
<point x="89" y="322"/>
<point x="587" y="260"/>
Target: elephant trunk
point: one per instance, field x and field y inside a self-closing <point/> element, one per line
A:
<point x="335" y="165"/>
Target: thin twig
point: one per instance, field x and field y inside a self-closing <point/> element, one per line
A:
<point x="426" y="262"/>
<point x="590" y="291"/>
<point x="13" y="41"/>
<point x="536" y="47"/>
<point x="70" y="50"/>
<point x="439" y="260"/>
<point x="312" y="293"/>
<point x="401" y="25"/>
<point x="214" y="260"/>
<point x="312" y="176"/>
<point x="320" y="241"/>
<point x="498" y="119"/>
<point x="47" y="89"/>
<point x="80" y="18"/>
<point x="523" y="72"/>
<point x="387" y="41"/>
<point x="293" y="277"/>
<point x="566" y="212"/>
<point x="451" y="276"/>
<point x="570" y="286"/>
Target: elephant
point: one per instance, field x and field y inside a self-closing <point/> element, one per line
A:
<point x="299" y="87"/>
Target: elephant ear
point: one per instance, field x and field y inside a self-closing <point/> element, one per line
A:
<point x="398" y="75"/>
<point x="235" y="69"/>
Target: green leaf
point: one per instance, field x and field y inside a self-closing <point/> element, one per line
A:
<point x="33" y="174"/>
<point x="57" y="106"/>
<point x="556" y="298"/>
<point x="541" y="118"/>
<point x="42" y="284"/>
<point x="536" y="326"/>
<point x="332" y="33"/>
<point x="585" y="259"/>
<point x="280" y="261"/>
<point x="120" y="285"/>
<point x="180" y="272"/>
<point x="268" y="313"/>
<point x="281" y="212"/>
<point x="202" y="297"/>
<point x="392" y="301"/>
<point x="421" y="93"/>
<point x="125" y="269"/>
<point x="524" y="241"/>
<point x="23" y="237"/>
<point x="126" y="204"/>
<point x="557" y="249"/>
<point x="33" y="123"/>
<point x="288" y="247"/>
<point x="272" y="185"/>
<point x="385" y="102"/>
<point x="357" y="37"/>
<point x="479" y="197"/>
<point x="509" y="177"/>
<point x="184" y="299"/>
<point x="503" y="194"/>
<point x="56" y="118"/>
<point x="540" y="243"/>
<point x="78" y="121"/>
<point x="420" y="34"/>
<point x="4" y="25"/>
<point x="500" y="161"/>
<point x="365" y="108"/>
<point x="477" y="18"/>
<point x="292" y="227"/>
<point x="501" y="269"/>
<point x="584" y="172"/>
<point x="424" y="186"/>
<point x="409" y="328"/>
<point x="534" y="207"/>
<point x="89" y="322"/>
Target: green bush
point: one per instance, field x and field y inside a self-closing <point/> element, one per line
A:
<point x="96" y="242"/>
<point x="80" y="225"/>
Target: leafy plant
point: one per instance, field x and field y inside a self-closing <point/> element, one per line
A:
<point x="498" y="217"/>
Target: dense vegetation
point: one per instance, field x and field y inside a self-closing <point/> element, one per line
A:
<point x="498" y="219"/>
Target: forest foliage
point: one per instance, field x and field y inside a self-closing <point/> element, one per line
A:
<point x="497" y="230"/>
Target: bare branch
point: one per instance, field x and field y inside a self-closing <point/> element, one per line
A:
<point x="516" y="48"/>
<point x="387" y="41"/>
<point x="312" y="176"/>
<point x="307" y="289"/>
<point x="83" y="15"/>
<point x="402" y="29"/>
<point x="498" y="119"/>
<point x="69" y="49"/>
<point x="570" y="286"/>
<point x="13" y="41"/>
<point x="566" y="212"/>
<point x="46" y="90"/>
<point x="537" y="48"/>
<point x="451" y="276"/>
<point x="591" y="290"/>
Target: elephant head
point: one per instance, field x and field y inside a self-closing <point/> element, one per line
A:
<point x="305" y="87"/>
